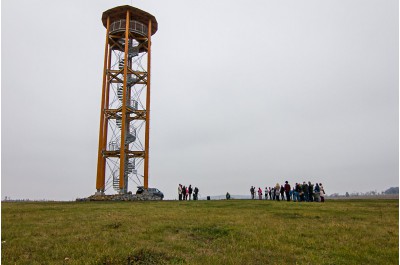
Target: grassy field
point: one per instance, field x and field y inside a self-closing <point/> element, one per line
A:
<point x="201" y="232"/>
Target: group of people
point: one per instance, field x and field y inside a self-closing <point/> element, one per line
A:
<point x="306" y="192"/>
<point x="185" y="193"/>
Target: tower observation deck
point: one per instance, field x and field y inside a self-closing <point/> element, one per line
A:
<point x="123" y="152"/>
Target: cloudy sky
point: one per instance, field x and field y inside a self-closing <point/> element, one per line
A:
<point x="243" y="93"/>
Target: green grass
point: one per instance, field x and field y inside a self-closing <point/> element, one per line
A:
<point x="201" y="232"/>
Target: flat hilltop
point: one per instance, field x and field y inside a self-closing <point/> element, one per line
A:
<point x="200" y="232"/>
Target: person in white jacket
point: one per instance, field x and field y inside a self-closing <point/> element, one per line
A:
<point x="180" y="192"/>
<point x="321" y="192"/>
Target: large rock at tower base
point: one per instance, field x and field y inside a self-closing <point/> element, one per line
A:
<point x="144" y="196"/>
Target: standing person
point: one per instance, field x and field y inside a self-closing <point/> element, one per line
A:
<point x="297" y="192"/>
<point x="259" y="193"/>
<point x="180" y="192"/>
<point x="252" y="192"/>
<point x="187" y="193"/>
<point x="282" y="193"/>
<point x="270" y="193"/>
<point x="228" y="196"/>
<point x="322" y="192"/>
<point x="293" y="191"/>
<point x="266" y="193"/>
<point x="306" y="192"/>
<point x="317" y="192"/>
<point x="190" y="192"/>
<point x="184" y="193"/>
<point x="195" y="194"/>
<point x="310" y="192"/>
<point x="277" y="189"/>
<point x="287" y="190"/>
<point x="303" y="191"/>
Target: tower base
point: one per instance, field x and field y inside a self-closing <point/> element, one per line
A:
<point x="145" y="196"/>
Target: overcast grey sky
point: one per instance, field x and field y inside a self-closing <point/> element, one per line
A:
<point x="243" y="93"/>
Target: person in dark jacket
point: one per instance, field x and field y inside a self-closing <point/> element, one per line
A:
<point x="317" y="192"/>
<point x="303" y="191"/>
<point x="297" y="192"/>
<point x="306" y="192"/>
<point x="252" y="191"/>
<point x="190" y="192"/>
<point x="310" y="191"/>
<point x="184" y="193"/>
<point x="282" y="193"/>
<point x="195" y="194"/>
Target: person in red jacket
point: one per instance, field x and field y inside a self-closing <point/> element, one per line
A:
<point x="287" y="190"/>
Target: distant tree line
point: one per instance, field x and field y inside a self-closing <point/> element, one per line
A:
<point x="392" y="190"/>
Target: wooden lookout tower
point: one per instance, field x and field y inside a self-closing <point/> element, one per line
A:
<point x="123" y="153"/>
